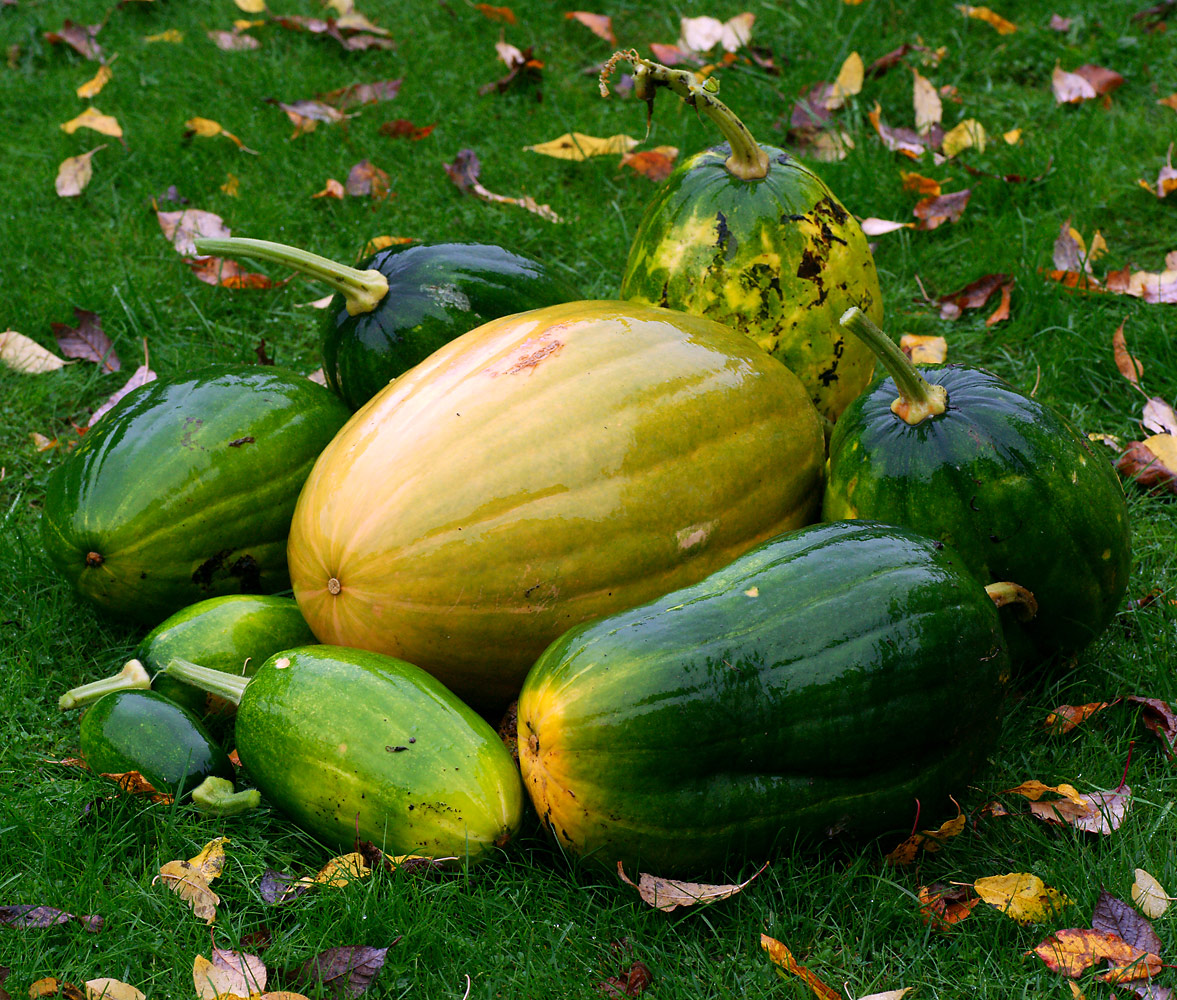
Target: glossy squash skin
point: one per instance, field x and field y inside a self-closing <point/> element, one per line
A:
<point x="144" y="731"/>
<point x="435" y="293"/>
<point x="541" y="470"/>
<point x="1005" y="480"/>
<point x="356" y="745"/>
<point x="821" y="683"/>
<point x="779" y="259"/>
<point x="185" y="489"/>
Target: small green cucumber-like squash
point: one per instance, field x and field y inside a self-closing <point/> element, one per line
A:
<point x="1006" y="480"/>
<point x="543" y="469"/>
<point x="355" y="745"/>
<point x="748" y="236"/>
<point x="143" y="731"/>
<point x="234" y="633"/>
<point x="185" y="489"/>
<point x="834" y="679"/>
<point x="405" y="301"/>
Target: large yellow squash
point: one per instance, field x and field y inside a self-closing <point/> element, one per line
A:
<point x="541" y="470"/>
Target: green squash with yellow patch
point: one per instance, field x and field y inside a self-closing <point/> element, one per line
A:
<point x="748" y="236"/>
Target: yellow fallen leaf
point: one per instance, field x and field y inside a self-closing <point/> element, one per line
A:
<point x="1021" y="896"/>
<point x="1149" y="896"/>
<point x="1012" y="137"/>
<point x="95" y="84"/>
<point x="187" y="883"/>
<point x="232" y="186"/>
<point x="968" y="134"/>
<point x="928" y="108"/>
<point x="210" y="862"/>
<point x="578" y="146"/>
<point x="111" y="989"/>
<point x="173" y="36"/>
<point x="848" y="82"/>
<point x="924" y="349"/>
<point x="342" y="871"/>
<point x="95" y="119"/>
<point x="251" y="6"/>
<point x="1164" y="446"/>
<point x="74" y="173"/>
<point x="1034" y="790"/>
<point x="786" y="963"/>
<point x="380" y="242"/>
<point x="23" y="354"/>
<point x="996" y="21"/>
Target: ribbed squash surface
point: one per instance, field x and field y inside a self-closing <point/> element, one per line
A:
<point x="544" y="469"/>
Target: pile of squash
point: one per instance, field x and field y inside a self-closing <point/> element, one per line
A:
<point x="738" y="593"/>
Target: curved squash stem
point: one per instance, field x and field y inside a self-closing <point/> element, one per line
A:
<point x="228" y="686"/>
<point x="133" y="675"/>
<point x="747" y="160"/>
<point x="918" y="398"/>
<point x="215" y="797"/>
<point x="1004" y="592"/>
<point x="362" y="291"/>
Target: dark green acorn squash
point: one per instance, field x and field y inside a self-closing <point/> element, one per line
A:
<point x="747" y="235"/>
<point x="355" y="745"/>
<point x="185" y="489"/>
<point x="833" y="679"/>
<point x="144" y="731"/>
<point x="1011" y="485"/>
<point x="406" y="301"/>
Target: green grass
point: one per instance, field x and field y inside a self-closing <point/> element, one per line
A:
<point x="531" y="924"/>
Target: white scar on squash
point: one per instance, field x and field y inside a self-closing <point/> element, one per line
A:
<point x="695" y="534"/>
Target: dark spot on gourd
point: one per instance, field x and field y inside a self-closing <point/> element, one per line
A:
<point x="94" y="559"/>
<point x="395" y="749"/>
<point x="248" y="572"/>
<point x="810" y="267"/>
<point x="829" y="376"/>
<point x="787" y="218"/>
<point x="203" y="577"/>
<point x="664" y="298"/>
<point x="829" y="207"/>
<point x="240" y="441"/>
<point x="839" y="347"/>
<point x="725" y="239"/>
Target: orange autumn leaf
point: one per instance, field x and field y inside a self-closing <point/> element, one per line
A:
<point x="920" y="184"/>
<point x="1073" y="951"/>
<point x="934" y="212"/>
<point x="93" y="86"/>
<point x="1066" y="717"/>
<point x="787" y="964"/>
<point x="942" y="907"/>
<point x="1035" y="790"/>
<point x="332" y="189"/>
<point x="228" y="274"/>
<point x="924" y="349"/>
<point x="996" y="21"/>
<point x="503" y="15"/>
<point x="1129" y="366"/>
<point x="600" y="25"/>
<point x="133" y="783"/>
<point x="656" y="164"/>
<point x="928" y="840"/>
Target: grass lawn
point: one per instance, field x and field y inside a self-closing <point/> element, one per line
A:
<point x="532" y="924"/>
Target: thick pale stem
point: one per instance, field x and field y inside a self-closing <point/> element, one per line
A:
<point x="918" y="398"/>
<point x="133" y="675"/>
<point x="228" y="686"/>
<point x="747" y="160"/>
<point x="1004" y="592"/>
<point x="362" y="291"/>
<point x="215" y="797"/>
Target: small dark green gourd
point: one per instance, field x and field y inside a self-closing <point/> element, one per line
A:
<point x="959" y="453"/>
<point x="405" y="301"/>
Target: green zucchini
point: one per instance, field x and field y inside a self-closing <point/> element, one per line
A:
<point x="143" y="731"/>
<point x="359" y="745"/>
<point x="407" y="300"/>
<point x="832" y="680"/>
<point x="960" y="454"/>
<point x="185" y="489"/>
<point x="233" y="633"/>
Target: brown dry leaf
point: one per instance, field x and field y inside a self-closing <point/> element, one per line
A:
<point x="359" y="94"/>
<point x="503" y="15"/>
<point x="1066" y="717"/>
<point x="928" y="108"/>
<point x="1149" y="895"/>
<point x="787" y="964"/>
<point x="1021" y="896"/>
<point x="365" y="178"/>
<point x="94" y="119"/>
<point x="184" y="227"/>
<point x="996" y="21"/>
<point x="141" y="376"/>
<point x="656" y="163"/>
<point x="1166" y="179"/>
<point x="924" y="349"/>
<point x="1070" y="249"/>
<point x="928" y="840"/>
<point x="934" y="212"/>
<point x="40" y="917"/>
<point x="403" y="128"/>
<point x="968" y="134"/>
<point x="1152" y="286"/>
<point x="1059" y="23"/>
<point x="346" y="971"/>
<point x="1157" y="716"/>
<point x="520" y="64"/>
<point x="906" y="141"/>
<point x="1073" y="951"/>
<point x="306" y="115"/>
<point x="926" y="186"/>
<point x="191" y="879"/>
<point x="74" y="173"/>
<point x="25" y="355"/>
<point x="974" y="295"/>
<point x="1169" y="102"/>
<point x="1152" y="463"/>
<point x="1070" y="88"/>
<point x="229" y="274"/>
<point x="600" y="25"/>
<point x="464" y="172"/>
<point x="92" y="87"/>
<point x="942" y="906"/>
<point x="87" y="341"/>
<point x="112" y="989"/>
<point x="669" y="894"/>
<point x="229" y="974"/>
<point x="82" y="38"/>
<point x="1129" y="366"/>
<point x="1102" y="80"/>
<point x="578" y="146"/>
<point x="332" y="189"/>
<point x="233" y="41"/>
<point x="1096" y="812"/>
<point x="889" y="994"/>
<point x="1001" y="313"/>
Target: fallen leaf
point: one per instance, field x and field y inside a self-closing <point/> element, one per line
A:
<point x="332" y="189"/>
<point x="1021" y="896"/>
<point x="359" y="94"/>
<point x="1151" y="463"/>
<point x="1059" y="23"/>
<point x="942" y="906"/>
<point x="521" y="65"/>
<point x="1158" y="417"/>
<point x="464" y="172"/>
<point x="1034" y="790"/>
<point x="1070" y="88"/>
<point x="347" y="970"/>
<point x="191" y="879"/>
<point x="232" y="185"/>
<point x="934" y="212"/>
<point x="669" y="894"/>
<point x="74" y="173"/>
<point x="233" y="41"/>
<point x="365" y="178"/>
<point x="25" y="355"/>
<point x="974" y="295"/>
<point x="1001" y="313"/>
<point x="82" y="38"/>
<point x="1066" y="717"/>
<point x="251" y="6"/>
<point x="1148" y="894"/>
<point x="889" y="994"/>
<point x="380" y="242"/>
<point x="94" y="119"/>
<point x="578" y="146"/>
<point x="112" y="989"/>
<point x="206" y="128"/>
<point x="1102" y="80"/>
<point x="172" y="36"/>
<point x="656" y="164"/>
<point x="229" y="974"/>
<point x="848" y="82"/>
<point x="1070" y="251"/>
<point x="632" y="978"/>
<point x="828" y="145"/>
<point x="41" y="917"/>
<point x="1169" y="102"/>
<point x="996" y="21"/>
<point x="342" y="871"/>
<point x="701" y="34"/>
<point x="926" y="186"/>
<point x="924" y="349"/>
<point x="403" y="128"/>
<point x="1158" y="717"/>
<point x="928" y="840"/>
<point x="503" y="15"/>
<point x="1129" y="366"/>
<point x="306" y="115"/>
<point x="600" y="25"/>
<point x="141" y="376"/>
<point x="1097" y="812"/>
<point x="928" y="108"/>
<point x="786" y="963"/>
<point x="1166" y="179"/>
<point x="1114" y="915"/>
<point x="229" y="274"/>
<point x="184" y="227"/>
<point x="968" y="134"/>
<point x="906" y="141"/>
<point x="1073" y="951"/>
<point x="87" y="341"/>
<point x="92" y="87"/>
